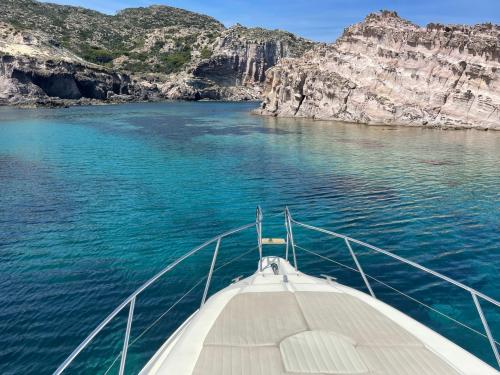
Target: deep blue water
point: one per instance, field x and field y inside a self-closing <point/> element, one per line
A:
<point x="95" y="200"/>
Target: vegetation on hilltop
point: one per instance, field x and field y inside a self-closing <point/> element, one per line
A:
<point x="297" y="44"/>
<point x="156" y="39"/>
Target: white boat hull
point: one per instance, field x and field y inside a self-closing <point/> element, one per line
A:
<point x="298" y="324"/>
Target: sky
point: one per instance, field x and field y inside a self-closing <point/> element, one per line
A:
<point x="319" y="20"/>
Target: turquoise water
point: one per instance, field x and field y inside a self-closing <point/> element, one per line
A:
<point x="95" y="200"/>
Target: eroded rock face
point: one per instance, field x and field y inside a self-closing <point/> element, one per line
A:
<point x="188" y="87"/>
<point x="226" y="64"/>
<point x="241" y="57"/>
<point x="33" y="71"/>
<point x="25" y="80"/>
<point x="386" y="70"/>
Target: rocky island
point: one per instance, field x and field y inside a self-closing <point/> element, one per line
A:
<point x="383" y="70"/>
<point x="386" y="70"/>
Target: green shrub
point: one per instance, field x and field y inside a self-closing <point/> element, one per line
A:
<point x="84" y="34"/>
<point x="16" y="23"/>
<point x="185" y="41"/>
<point x="65" y="42"/>
<point x="96" y="55"/>
<point x="206" y="53"/>
<point x="157" y="46"/>
<point x="142" y="56"/>
<point x="137" y="66"/>
<point x="175" y="61"/>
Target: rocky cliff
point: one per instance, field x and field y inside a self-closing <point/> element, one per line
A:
<point x="34" y="71"/>
<point x="241" y="56"/>
<point x="234" y="65"/>
<point x="386" y="70"/>
<point x="138" y="54"/>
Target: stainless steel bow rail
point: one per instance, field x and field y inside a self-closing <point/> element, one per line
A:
<point x="130" y="301"/>
<point x="476" y="295"/>
<point x="290" y="244"/>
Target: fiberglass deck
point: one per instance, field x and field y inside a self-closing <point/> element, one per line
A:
<point x="264" y="325"/>
<point x="311" y="333"/>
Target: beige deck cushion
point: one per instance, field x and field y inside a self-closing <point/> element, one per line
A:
<point x="257" y="319"/>
<point x="321" y="352"/>
<point x="353" y="318"/>
<point x="227" y="360"/>
<point x="311" y="333"/>
<point x="404" y="361"/>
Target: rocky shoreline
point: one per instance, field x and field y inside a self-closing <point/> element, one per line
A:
<point x="436" y="126"/>
<point x="49" y="56"/>
<point x="386" y="70"/>
<point x="382" y="71"/>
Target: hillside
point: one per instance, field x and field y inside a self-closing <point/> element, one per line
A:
<point x="158" y="52"/>
<point x="157" y="39"/>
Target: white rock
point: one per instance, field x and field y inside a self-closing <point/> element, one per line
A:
<point x="386" y="70"/>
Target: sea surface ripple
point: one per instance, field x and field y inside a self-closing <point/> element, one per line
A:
<point x="95" y="200"/>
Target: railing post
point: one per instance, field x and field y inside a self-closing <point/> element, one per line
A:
<point x="287" y="237"/>
<point x="359" y="268"/>
<point x="258" y="224"/>
<point x="290" y="235"/>
<point x="127" y="336"/>
<point x="130" y="302"/>
<point x="486" y="328"/>
<point x="209" y="278"/>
